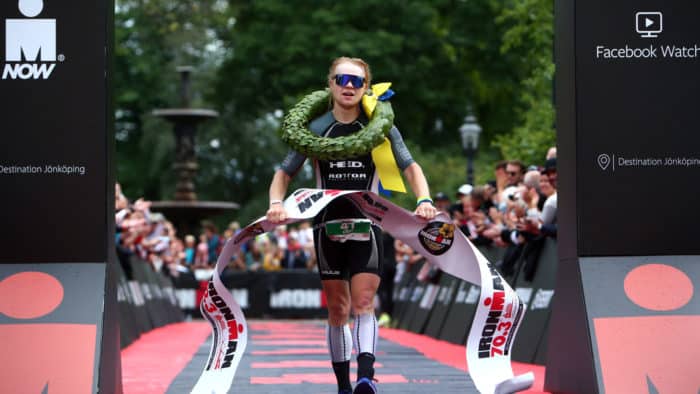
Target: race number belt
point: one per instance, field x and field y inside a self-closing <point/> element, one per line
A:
<point x="348" y="230"/>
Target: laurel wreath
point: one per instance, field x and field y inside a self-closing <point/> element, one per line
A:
<point x="296" y="134"/>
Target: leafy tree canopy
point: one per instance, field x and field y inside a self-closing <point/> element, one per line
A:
<point x="255" y="59"/>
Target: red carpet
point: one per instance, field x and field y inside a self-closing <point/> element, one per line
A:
<point x="454" y="355"/>
<point x="151" y="363"/>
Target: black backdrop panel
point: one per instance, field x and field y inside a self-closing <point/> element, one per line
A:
<point x="56" y="126"/>
<point x="424" y="308"/>
<point x="414" y="298"/>
<point x="541" y="355"/>
<point x="539" y="293"/>
<point x="461" y="314"/>
<point x="626" y="99"/>
<point x="295" y="295"/>
<point x="402" y="303"/>
<point x="128" y="324"/>
<point x="283" y="294"/>
<point x="636" y="127"/>
<point x="258" y="286"/>
<point x="448" y="290"/>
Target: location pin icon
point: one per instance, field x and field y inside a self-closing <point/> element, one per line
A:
<point x="603" y="161"/>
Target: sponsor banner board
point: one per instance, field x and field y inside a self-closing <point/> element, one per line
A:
<point x="635" y="136"/>
<point x="641" y="310"/>
<point x="45" y="316"/>
<point x="56" y="136"/>
<point x="626" y="77"/>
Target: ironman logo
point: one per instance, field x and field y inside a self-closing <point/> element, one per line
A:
<point x="30" y="44"/>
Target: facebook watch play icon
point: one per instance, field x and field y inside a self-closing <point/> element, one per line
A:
<point x="650" y="24"/>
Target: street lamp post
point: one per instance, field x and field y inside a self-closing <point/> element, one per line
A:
<point x="469" y="131"/>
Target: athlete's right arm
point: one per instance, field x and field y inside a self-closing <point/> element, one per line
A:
<point x="291" y="164"/>
<point x="278" y="188"/>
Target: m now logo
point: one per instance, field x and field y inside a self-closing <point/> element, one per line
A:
<point x="30" y="44"/>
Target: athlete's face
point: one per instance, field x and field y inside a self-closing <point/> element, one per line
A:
<point x="347" y="95"/>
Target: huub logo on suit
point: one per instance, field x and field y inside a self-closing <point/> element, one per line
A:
<point x="30" y="43"/>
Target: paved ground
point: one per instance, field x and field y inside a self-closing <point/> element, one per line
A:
<point x="291" y="356"/>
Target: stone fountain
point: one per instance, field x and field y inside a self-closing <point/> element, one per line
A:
<point x="185" y="211"/>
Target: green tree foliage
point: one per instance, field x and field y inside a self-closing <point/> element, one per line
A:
<point x="241" y="168"/>
<point x="446" y="170"/>
<point x="440" y="56"/>
<point x="152" y="38"/>
<point x="530" y="34"/>
<point x="255" y="59"/>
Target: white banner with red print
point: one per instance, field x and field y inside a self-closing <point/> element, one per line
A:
<point x="492" y="332"/>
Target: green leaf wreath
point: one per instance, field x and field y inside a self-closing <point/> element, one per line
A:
<point x="296" y="134"/>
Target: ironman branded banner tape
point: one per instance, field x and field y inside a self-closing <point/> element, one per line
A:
<point x="493" y="330"/>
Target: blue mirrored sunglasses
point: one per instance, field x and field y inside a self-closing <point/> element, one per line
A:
<point x="343" y="79"/>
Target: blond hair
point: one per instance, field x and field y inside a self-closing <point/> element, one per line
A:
<point x="354" y="60"/>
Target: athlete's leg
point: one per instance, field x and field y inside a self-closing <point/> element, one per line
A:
<point x="338" y="299"/>
<point x="334" y="279"/>
<point x="339" y="337"/>
<point x="363" y="287"/>
<point x="338" y="331"/>
<point x="364" y="282"/>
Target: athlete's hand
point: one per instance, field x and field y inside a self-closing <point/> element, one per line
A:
<point x="276" y="213"/>
<point x="425" y="210"/>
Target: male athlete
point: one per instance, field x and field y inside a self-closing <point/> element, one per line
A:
<point x="349" y="264"/>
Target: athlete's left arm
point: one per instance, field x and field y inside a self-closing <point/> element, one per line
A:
<point x="413" y="173"/>
<point x="416" y="179"/>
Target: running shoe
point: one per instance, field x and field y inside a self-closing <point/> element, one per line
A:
<point x="365" y="386"/>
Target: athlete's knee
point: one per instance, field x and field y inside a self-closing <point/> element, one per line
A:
<point x="363" y="302"/>
<point x="338" y="311"/>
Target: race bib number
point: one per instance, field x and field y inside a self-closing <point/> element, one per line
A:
<point x="348" y="230"/>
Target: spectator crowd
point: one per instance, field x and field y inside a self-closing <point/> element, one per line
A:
<point x="516" y="211"/>
<point x="152" y="238"/>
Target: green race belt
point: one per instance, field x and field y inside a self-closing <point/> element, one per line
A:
<point x="348" y="230"/>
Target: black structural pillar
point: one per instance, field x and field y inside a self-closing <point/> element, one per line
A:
<point x="59" y="329"/>
<point x="626" y="315"/>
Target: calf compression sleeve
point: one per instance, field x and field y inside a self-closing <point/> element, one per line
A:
<point x="364" y="336"/>
<point x="340" y="347"/>
<point x="339" y="342"/>
<point x="364" y="333"/>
